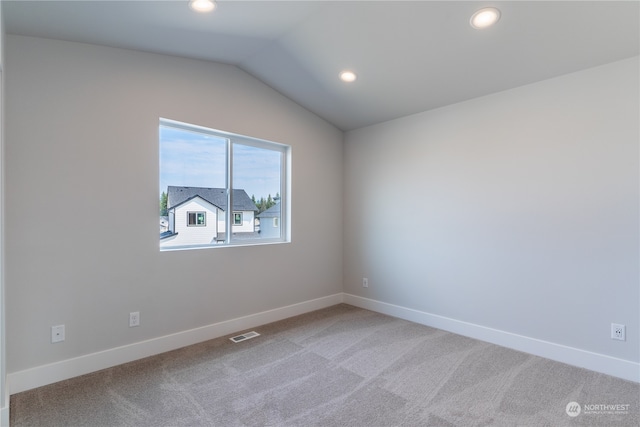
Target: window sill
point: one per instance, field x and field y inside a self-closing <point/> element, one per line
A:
<point x="226" y="245"/>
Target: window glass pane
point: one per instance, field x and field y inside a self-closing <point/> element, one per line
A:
<point x="191" y="159"/>
<point x="196" y="186"/>
<point x="258" y="171"/>
<point x="237" y="218"/>
<point x="196" y="218"/>
<point x="193" y="178"/>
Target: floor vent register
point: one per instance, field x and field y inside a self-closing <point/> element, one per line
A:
<point x="244" y="337"/>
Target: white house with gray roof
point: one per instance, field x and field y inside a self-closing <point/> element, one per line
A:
<point x="270" y="222"/>
<point x="197" y="216"/>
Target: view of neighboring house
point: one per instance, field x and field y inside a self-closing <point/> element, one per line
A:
<point x="196" y="216"/>
<point x="164" y="224"/>
<point x="270" y="222"/>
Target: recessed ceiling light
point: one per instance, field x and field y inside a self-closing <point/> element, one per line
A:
<point x="485" y="18"/>
<point x="348" y="76"/>
<point x="202" y="5"/>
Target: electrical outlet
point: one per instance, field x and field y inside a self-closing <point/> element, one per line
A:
<point x="57" y="333"/>
<point x="365" y="282"/>
<point x="618" y="332"/>
<point x="134" y="319"/>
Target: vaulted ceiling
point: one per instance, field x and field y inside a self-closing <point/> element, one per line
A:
<point x="410" y="56"/>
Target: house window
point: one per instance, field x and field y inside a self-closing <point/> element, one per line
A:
<point x="218" y="181"/>
<point x="196" y="218"/>
<point x="237" y="218"/>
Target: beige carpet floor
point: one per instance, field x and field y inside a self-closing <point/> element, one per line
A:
<point x="341" y="366"/>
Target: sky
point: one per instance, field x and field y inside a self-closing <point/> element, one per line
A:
<point x="193" y="159"/>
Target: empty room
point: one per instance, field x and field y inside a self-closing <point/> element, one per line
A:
<point x="319" y="213"/>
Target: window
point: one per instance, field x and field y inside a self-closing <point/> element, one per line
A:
<point x="237" y="218"/>
<point x="196" y="218"/>
<point x="220" y="189"/>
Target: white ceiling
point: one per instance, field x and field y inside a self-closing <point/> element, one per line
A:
<point x="410" y="56"/>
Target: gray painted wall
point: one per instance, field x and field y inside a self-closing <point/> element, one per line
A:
<point x="516" y="211"/>
<point x="82" y="199"/>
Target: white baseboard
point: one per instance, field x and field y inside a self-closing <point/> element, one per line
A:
<point x="65" y="369"/>
<point x="572" y="356"/>
<point x="42" y="375"/>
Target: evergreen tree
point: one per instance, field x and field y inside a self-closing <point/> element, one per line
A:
<point x="264" y="204"/>
<point x="163" y="204"/>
